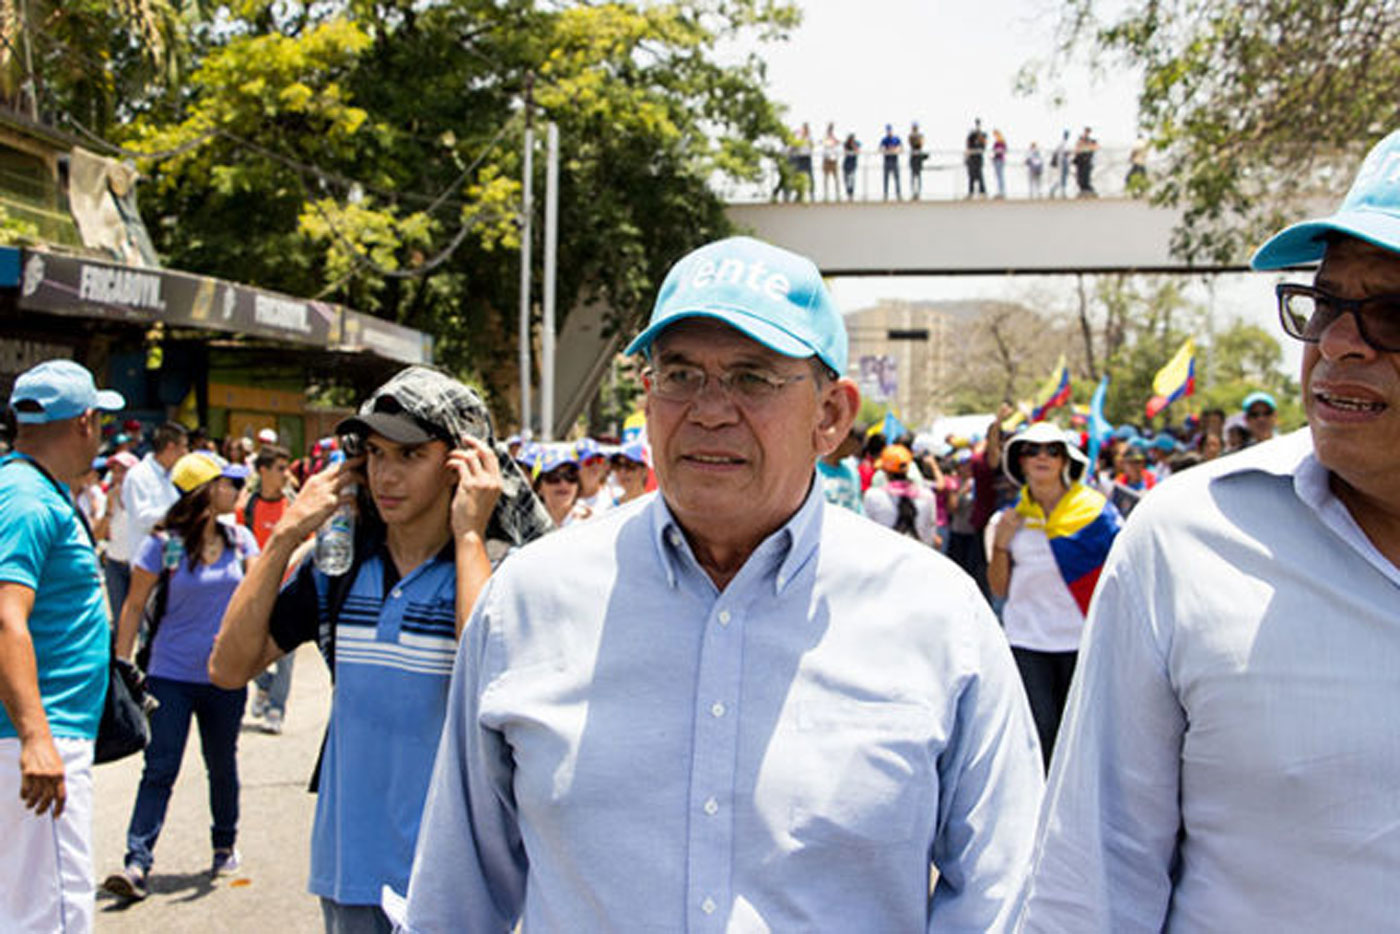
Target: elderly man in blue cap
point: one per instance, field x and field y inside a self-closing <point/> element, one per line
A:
<point x="54" y="651"/>
<point x="1229" y="758"/>
<point x="730" y="706"/>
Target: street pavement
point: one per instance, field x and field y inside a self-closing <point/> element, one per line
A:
<point x="274" y="830"/>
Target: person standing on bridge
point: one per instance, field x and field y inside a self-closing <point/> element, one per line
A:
<point x="1084" y="149"/>
<point x="731" y="706"/>
<point x="916" y="161"/>
<point x="973" y="154"/>
<point x="1059" y="160"/>
<point x="849" y="159"/>
<point x="891" y="146"/>
<point x="1035" y="168"/>
<point x="1235" y="706"/>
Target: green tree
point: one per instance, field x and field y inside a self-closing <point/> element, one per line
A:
<point x="1256" y="106"/>
<point x="369" y="152"/>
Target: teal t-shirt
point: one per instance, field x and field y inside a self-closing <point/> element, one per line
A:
<point x="45" y="548"/>
<point x="841" y="485"/>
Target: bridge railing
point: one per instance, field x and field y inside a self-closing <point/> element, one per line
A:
<point x="944" y="178"/>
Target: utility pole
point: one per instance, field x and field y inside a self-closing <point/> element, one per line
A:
<point x="551" y="262"/>
<point x="526" y="211"/>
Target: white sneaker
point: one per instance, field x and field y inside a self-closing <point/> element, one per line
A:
<point x="259" y="705"/>
<point x="272" y="721"/>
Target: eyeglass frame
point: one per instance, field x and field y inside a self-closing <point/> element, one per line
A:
<point x="724" y="380"/>
<point x="1352" y="306"/>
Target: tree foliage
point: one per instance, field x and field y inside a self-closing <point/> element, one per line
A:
<point x="1127" y="327"/>
<point x="1257" y="107"/>
<point x="370" y="152"/>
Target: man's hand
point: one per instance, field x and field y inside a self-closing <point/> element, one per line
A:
<point x="478" y="487"/>
<point x="319" y="498"/>
<point x="41" y="776"/>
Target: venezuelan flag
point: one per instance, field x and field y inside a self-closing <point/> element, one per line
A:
<point x="1081" y="528"/>
<point x="1052" y="393"/>
<point x="634" y="427"/>
<point x="1175" y="380"/>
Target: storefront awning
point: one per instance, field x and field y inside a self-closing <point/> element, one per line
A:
<point x="88" y="288"/>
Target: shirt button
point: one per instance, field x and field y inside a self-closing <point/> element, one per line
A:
<point x="712" y="807"/>
<point x="397" y="593"/>
<point x="724" y="617"/>
<point x="717" y="709"/>
<point x="708" y="906"/>
<point x="675" y="539"/>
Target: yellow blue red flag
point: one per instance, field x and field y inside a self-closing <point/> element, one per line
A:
<point x="1052" y="393"/>
<point x="1174" y="381"/>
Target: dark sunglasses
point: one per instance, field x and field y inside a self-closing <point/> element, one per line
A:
<point x="1259" y="413"/>
<point x="560" y="475"/>
<point x="1031" y="449"/>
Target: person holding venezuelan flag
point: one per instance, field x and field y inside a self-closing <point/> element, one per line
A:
<point x="1047" y="552"/>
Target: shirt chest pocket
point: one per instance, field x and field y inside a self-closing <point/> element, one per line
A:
<point x="858" y="774"/>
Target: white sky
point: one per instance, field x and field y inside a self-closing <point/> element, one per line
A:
<point x="865" y="63"/>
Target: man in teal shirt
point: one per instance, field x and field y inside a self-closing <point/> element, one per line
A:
<point x="54" y="647"/>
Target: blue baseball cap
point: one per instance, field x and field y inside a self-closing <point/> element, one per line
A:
<point x="635" y="451"/>
<point x="770" y="294"/>
<point x="551" y="456"/>
<point x="587" y="449"/>
<point x="59" y="389"/>
<point x="1258" y="396"/>
<point x="1370" y="212"/>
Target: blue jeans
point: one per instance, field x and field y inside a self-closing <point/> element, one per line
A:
<point x="891" y="172"/>
<point x="219" y="714"/>
<point x="118" y="577"/>
<point x="276" y="680"/>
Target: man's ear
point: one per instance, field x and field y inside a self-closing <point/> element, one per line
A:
<point x="839" y="404"/>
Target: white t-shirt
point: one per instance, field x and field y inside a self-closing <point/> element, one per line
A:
<point x="1040" y="611"/>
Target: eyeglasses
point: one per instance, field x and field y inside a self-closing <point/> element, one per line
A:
<point x="625" y="463"/>
<point x="1306" y="312"/>
<point x="1031" y="449"/>
<point x="560" y="475"/>
<point x="1259" y="413"/>
<point x="678" y="382"/>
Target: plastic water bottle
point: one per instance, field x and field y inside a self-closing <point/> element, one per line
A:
<point x="335" y="541"/>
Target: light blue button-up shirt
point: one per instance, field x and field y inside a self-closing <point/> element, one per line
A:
<point x="629" y="748"/>
<point x="1230" y="755"/>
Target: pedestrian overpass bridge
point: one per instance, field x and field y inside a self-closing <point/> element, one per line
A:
<point x="917" y="238"/>
<point x="978" y="237"/>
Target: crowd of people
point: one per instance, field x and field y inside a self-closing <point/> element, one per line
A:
<point x="840" y="158"/>
<point x="757" y="697"/>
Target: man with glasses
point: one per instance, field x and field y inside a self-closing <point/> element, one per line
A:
<point x="732" y="707"/>
<point x="1228" y="760"/>
<point x="54" y="652"/>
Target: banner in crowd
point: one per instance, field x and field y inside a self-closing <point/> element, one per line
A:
<point x="1099" y="427"/>
<point x="879" y="377"/>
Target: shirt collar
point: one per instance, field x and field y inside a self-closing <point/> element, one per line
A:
<point x="795" y="541"/>
<point x="1292" y="456"/>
